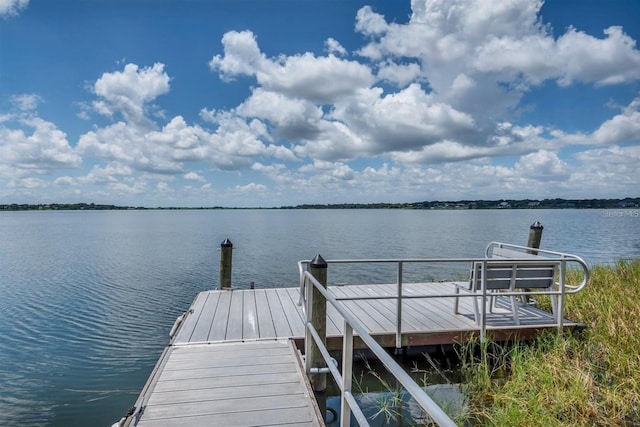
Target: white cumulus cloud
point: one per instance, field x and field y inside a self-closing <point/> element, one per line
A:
<point x="128" y="91"/>
<point x="42" y="149"/>
<point x="12" y="7"/>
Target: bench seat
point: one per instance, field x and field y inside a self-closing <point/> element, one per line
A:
<point x="511" y="272"/>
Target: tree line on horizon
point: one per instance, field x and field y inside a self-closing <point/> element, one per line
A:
<point x="488" y="204"/>
<point x="557" y="203"/>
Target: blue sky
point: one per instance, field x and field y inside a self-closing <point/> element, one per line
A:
<point x="283" y="102"/>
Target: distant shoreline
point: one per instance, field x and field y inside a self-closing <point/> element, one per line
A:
<point x="452" y="205"/>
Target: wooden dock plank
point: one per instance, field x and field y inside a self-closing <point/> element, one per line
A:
<point x="382" y="311"/>
<point x="290" y="309"/>
<point x="178" y="356"/>
<point x="230" y="362"/>
<point x="280" y="322"/>
<point x="220" y="371"/>
<point x="250" y="324"/>
<point x="437" y="312"/>
<point x="231" y="384"/>
<point x="218" y="326"/>
<point x="253" y="405"/>
<point x="205" y="318"/>
<point x="236" y="316"/>
<point x="388" y="309"/>
<point x="294" y="296"/>
<point x="335" y="322"/>
<point x="362" y="314"/>
<point x="259" y="417"/>
<point x="236" y="392"/>
<point x="263" y="312"/>
<point x="223" y="382"/>
<point x="186" y="330"/>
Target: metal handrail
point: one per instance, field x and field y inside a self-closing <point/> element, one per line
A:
<point x="343" y="380"/>
<point x="561" y="260"/>
<point x="558" y="255"/>
<point x="351" y="324"/>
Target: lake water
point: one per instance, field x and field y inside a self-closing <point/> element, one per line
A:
<point x="87" y="298"/>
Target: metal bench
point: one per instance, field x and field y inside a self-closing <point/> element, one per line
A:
<point x="517" y="271"/>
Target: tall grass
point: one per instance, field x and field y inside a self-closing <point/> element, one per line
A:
<point x="591" y="378"/>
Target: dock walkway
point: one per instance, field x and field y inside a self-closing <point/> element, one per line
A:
<point x="263" y="314"/>
<point x="233" y="360"/>
<point x="230" y="384"/>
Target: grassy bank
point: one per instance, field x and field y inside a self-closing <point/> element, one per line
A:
<point x="588" y="379"/>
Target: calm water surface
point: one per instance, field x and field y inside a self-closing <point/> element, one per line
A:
<point x="87" y="298"/>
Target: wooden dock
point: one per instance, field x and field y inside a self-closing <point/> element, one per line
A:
<point x="263" y="314"/>
<point x="230" y="384"/>
<point x="233" y="360"/>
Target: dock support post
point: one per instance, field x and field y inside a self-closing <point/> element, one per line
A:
<point x="226" y="247"/>
<point x="318" y="317"/>
<point x="535" y="237"/>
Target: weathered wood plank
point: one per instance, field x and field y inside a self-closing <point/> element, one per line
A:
<point x="265" y="320"/>
<point x="180" y="356"/>
<point x="372" y="326"/>
<point x="335" y="322"/>
<point x="218" y="328"/>
<point x="205" y="318"/>
<point x="434" y="312"/>
<point x="291" y="313"/>
<point x="259" y="417"/>
<point x="223" y="382"/>
<point x="230" y="361"/>
<point x="243" y="367"/>
<point x="236" y="392"/>
<point x="383" y="313"/>
<point x="186" y="330"/>
<point x="280" y="322"/>
<point x="246" y="404"/>
<point x="293" y="295"/>
<point x="236" y="316"/>
<point x="388" y="308"/>
<point x="250" y="325"/>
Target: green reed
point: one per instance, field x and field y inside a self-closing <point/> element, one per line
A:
<point x="574" y="379"/>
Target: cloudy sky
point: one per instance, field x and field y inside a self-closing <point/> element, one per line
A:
<point x="284" y="102"/>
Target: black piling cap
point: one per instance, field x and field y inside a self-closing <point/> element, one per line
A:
<point x="226" y="244"/>
<point x="318" y="262"/>
<point x="537" y="225"/>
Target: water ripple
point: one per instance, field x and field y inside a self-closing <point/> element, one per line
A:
<point x="88" y="298"/>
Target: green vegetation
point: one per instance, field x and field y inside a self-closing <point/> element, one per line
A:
<point x="591" y="378"/>
<point x="461" y="204"/>
<point x="77" y="207"/>
<point x="489" y="204"/>
<point x="62" y="207"/>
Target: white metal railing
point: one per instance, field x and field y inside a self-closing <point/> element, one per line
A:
<point x="352" y="324"/>
<point x="561" y="260"/>
<point x="348" y="403"/>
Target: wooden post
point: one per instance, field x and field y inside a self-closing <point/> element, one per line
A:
<point x="226" y="248"/>
<point x="535" y="237"/>
<point x="318" y="269"/>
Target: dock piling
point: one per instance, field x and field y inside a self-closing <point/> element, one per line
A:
<point x="318" y="309"/>
<point x="226" y="248"/>
<point x="535" y="236"/>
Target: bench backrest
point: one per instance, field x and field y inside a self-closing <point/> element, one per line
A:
<point x="504" y="274"/>
<point x="498" y="252"/>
